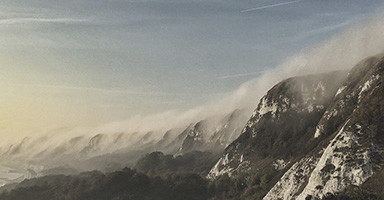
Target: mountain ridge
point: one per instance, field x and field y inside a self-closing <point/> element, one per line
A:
<point x="335" y="154"/>
<point x="311" y="137"/>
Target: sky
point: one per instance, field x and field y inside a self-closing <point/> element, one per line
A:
<point x="86" y="62"/>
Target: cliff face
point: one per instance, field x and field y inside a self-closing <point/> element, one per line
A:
<point x="282" y="126"/>
<point x="322" y="132"/>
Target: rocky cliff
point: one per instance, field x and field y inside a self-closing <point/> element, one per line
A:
<point x="321" y="133"/>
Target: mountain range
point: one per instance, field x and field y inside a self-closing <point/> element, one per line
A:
<point x="318" y="136"/>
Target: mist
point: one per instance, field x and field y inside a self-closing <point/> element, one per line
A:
<point x="341" y="52"/>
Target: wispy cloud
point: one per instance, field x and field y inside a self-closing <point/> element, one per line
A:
<point x="90" y="89"/>
<point x="329" y="28"/>
<point x="31" y="20"/>
<point x="270" y="6"/>
<point x="239" y="75"/>
<point x="321" y="30"/>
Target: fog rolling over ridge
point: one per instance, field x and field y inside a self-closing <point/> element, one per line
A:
<point x="139" y="134"/>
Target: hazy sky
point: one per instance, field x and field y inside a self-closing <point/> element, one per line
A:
<point x="84" y="62"/>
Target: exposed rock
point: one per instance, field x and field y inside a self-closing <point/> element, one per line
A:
<point x="283" y="123"/>
<point x="330" y="128"/>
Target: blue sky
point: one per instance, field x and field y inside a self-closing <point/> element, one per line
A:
<point x="83" y="62"/>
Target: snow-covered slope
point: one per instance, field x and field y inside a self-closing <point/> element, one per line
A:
<point x="324" y="132"/>
<point x="284" y="120"/>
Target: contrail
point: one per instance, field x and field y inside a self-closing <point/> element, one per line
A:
<point x="239" y="75"/>
<point x="41" y="20"/>
<point x="270" y="6"/>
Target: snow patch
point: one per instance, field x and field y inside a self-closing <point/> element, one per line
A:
<point x="265" y="108"/>
<point x="358" y="127"/>
<point x="241" y="158"/>
<point x="340" y="90"/>
<point x="310" y="108"/>
<point x="320" y="107"/>
<point x="290" y="183"/>
<point x="367" y="85"/>
<point x="329" y="114"/>
<point x="220" y="168"/>
<point x="338" y="168"/>
<point x="319" y="129"/>
<point x="279" y="164"/>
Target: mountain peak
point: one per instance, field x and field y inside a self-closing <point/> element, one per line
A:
<point x="320" y="133"/>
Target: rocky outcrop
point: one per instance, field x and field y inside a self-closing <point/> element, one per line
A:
<point x="328" y="128"/>
<point x="282" y="124"/>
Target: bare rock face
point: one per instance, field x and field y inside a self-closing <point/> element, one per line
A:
<point x="356" y="149"/>
<point x="282" y="124"/>
<point x="325" y="132"/>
